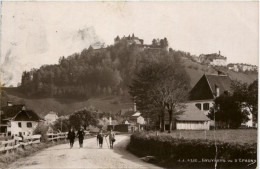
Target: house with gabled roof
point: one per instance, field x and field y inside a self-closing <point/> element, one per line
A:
<point x="194" y="114"/>
<point x="208" y="88"/>
<point x="188" y="118"/>
<point x="18" y="120"/>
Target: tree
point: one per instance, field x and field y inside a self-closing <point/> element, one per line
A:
<point x="228" y="112"/>
<point x="62" y="124"/>
<point x="161" y="85"/>
<point x="83" y="117"/>
<point x="247" y="95"/>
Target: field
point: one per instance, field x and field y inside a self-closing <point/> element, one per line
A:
<point x="232" y="136"/>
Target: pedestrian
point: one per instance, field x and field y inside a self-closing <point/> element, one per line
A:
<point x="111" y="136"/>
<point x="100" y="137"/>
<point x="71" y="137"/>
<point x="80" y="135"/>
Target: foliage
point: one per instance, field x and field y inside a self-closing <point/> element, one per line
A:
<point x="83" y="118"/>
<point x="62" y="124"/>
<point x="171" y="149"/>
<point x="228" y="111"/>
<point x="160" y="85"/>
<point x="93" y="72"/>
<point x="42" y="129"/>
<point x="233" y="109"/>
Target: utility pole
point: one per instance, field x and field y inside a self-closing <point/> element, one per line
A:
<point x="61" y="125"/>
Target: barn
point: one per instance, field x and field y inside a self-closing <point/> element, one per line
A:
<point x="192" y="119"/>
<point x="189" y="118"/>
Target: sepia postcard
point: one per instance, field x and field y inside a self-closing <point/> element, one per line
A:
<point x="129" y="84"/>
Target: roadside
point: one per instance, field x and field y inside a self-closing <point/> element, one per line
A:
<point x="90" y="156"/>
<point x="30" y="150"/>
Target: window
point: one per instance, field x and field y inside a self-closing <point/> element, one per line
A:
<point x="29" y="125"/>
<point x="206" y="106"/>
<point x="198" y="105"/>
<point x="20" y="124"/>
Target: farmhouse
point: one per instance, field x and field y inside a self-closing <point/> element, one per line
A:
<point x="51" y="117"/>
<point x="18" y="120"/>
<point x="133" y="120"/>
<point x="202" y="95"/>
<point x="209" y="87"/>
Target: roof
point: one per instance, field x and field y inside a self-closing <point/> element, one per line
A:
<point x="221" y="81"/>
<point x="206" y="87"/>
<point x="11" y="111"/>
<point x="189" y="113"/>
<point x="17" y="113"/>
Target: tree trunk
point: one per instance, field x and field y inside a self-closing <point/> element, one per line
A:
<point x="170" y="121"/>
<point x="160" y="123"/>
<point x="163" y="123"/>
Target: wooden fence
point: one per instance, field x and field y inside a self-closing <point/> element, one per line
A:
<point x="16" y="142"/>
<point x="13" y="144"/>
<point x="60" y="136"/>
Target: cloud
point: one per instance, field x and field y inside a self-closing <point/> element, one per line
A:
<point x="38" y="51"/>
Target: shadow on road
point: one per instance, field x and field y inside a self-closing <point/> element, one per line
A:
<point x="120" y="148"/>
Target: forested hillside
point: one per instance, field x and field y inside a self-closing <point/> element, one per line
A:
<point x="99" y="78"/>
<point x="93" y="72"/>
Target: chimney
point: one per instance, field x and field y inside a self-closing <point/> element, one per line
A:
<point x="24" y="108"/>
<point x="134" y="107"/>
<point x="217" y="91"/>
<point x="110" y="120"/>
<point x="9" y="103"/>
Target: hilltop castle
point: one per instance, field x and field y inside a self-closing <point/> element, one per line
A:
<point x="156" y="43"/>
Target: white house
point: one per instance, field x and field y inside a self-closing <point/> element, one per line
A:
<point x="51" y="117"/>
<point x="19" y="121"/>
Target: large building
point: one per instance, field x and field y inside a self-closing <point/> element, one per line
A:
<point x="51" y="117"/>
<point x="17" y="120"/>
<point x="213" y="59"/>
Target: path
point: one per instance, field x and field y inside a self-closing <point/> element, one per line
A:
<point x="61" y="156"/>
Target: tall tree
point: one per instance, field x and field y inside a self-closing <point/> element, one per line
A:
<point x="161" y="85"/>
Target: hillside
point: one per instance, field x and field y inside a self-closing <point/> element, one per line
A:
<point x="108" y="103"/>
<point x="67" y="106"/>
<point x="196" y="70"/>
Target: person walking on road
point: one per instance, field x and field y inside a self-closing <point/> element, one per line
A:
<point x="80" y="135"/>
<point x="100" y="137"/>
<point x="71" y="137"/>
<point x="111" y="136"/>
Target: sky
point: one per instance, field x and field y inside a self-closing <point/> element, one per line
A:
<point x="38" y="33"/>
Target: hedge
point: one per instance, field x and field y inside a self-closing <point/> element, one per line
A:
<point x="167" y="148"/>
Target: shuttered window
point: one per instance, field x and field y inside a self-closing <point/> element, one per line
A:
<point x="206" y="106"/>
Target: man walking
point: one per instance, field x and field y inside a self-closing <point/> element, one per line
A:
<point x="100" y="138"/>
<point x="71" y="137"/>
<point x="111" y="137"/>
<point x="80" y="135"/>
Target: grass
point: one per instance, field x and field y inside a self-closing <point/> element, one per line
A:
<point x="195" y="75"/>
<point x="67" y="106"/>
<point x="231" y="136"/>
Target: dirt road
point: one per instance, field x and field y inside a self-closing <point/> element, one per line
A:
<point x="90" y="156"/>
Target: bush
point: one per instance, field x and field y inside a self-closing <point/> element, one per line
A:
<point x="167" y="148"/>
<point x="42" y="129"/>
